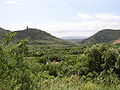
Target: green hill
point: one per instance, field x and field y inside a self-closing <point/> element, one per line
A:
<point x="37" y="37"/>
<point x="3" y="31"/>
<point x="103" y="36"/>
<point x="34" y="34"/>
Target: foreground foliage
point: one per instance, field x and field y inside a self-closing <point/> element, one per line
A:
<point x="26" y="67"/>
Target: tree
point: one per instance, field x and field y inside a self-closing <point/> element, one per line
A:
<point x="95" y="54"/>
<point x="14" y="72"/>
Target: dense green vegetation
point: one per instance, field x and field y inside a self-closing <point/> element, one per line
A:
<point x="48" y="67"/>
<point x="103" y="36"/>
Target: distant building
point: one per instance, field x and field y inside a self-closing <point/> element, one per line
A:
<point x="27" y="27"/>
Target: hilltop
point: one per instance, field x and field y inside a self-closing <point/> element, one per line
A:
<point x="103" y="36"/>
<point x="37" y="37"/>
<point x="3" y="31"/>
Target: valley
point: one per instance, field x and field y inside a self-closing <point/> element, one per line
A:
<point x="32" y="59"/>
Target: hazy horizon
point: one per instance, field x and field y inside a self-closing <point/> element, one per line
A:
<point x="61" y="18"/>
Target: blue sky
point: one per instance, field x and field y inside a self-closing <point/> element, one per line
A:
<point x="61" y="17"/>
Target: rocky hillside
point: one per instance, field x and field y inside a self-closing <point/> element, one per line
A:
<point x="116" y="41"/>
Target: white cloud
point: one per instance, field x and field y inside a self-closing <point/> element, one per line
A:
<point x="99" y="16"/>
<point x="84" y="16"/>
<point x="12" y="2"/>
<point x="89" y="3"/>
<point x="66" y="4"/>
<point x="81" y="28"/>
<point x="86" y="28"/>
<point x="107" y="16"/>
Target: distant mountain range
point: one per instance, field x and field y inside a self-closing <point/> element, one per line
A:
<point x="103" y="36"/>
<point x="74" y="37"/>
<point x="37" y="37"/>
